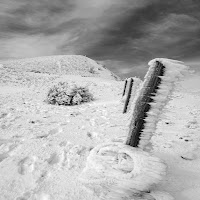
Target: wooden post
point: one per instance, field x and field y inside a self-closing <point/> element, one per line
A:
<point x="149" y="89"/>
<point x="125" y="84"/>
<point x="130" y="84"/>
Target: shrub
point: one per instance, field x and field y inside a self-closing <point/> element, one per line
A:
<point x="67" y="94"/>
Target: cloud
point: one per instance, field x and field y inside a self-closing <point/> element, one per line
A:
<point x="172" y="36"/>
<point x="42" y="15"/>
<point x="148" y="33"/>
<point x="125" y="69"/>
<point x="23" y="46"/>
<point x="20" y="16"/>
<point x="125" y="32"/>
<point x="29" y="29"/>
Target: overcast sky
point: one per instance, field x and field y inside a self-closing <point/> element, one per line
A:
<point x="125" y="34"/>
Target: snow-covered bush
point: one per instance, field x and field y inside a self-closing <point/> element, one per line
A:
<point x="67" y="94"/>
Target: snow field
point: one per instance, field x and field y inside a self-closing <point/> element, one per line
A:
<point x="177" y="140"/>
<point x="44" y="148"/>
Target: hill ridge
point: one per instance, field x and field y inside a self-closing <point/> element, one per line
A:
<point x="62" y="64"/>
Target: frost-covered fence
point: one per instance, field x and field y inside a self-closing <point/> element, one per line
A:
<point x="151" y="98"/>
<point x="127" y="92"/>
<point x="125" y="84"/>
<point x="142" y="104"/>
<point x="131" y="86"/>
<point x="115" y="170"/>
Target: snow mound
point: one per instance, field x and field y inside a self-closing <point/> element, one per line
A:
<point x="62" y="65"/>
<point x="117" y="171"/>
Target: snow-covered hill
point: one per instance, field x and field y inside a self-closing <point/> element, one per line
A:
<point x="43" y="148"/>
<point x="61" y="64"/>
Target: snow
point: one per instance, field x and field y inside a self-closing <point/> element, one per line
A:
<point x="116" y="171"/>
<point x="177" y="138"/>
<point x="44" y="148"/>
<point x="60" y="64"/>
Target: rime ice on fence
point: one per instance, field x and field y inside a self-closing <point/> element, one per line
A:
<point x="136" y="84"/>
<point x="152" y="97"/>
<point x="127" y="93"/>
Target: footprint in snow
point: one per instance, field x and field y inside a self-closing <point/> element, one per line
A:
<point x="51" y="132"/>
<point x="7" y="148"/>
<point x="74" y="155"/>
<point x="53" y="159"/>
<point x="27" y="165"/>
<point x="195" y="112"/>
<point x="3" y="115"/>
<point x="3" y="156"/>
<point x="192" y="124"/>
<point x="70" y="156"/>
<point x="28" y="195"/>
<point x="24" y="196"/>
<point x="42" y="196"/>
<point x="55" y="131"/>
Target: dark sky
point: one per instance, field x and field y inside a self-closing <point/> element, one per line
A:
<point x="125" y="34"/>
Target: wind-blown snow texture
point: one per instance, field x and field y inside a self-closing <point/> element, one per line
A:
<point x="116" y="171"/>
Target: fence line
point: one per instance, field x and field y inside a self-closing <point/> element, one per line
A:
<point x="124" y="90"/>
<point x="141" y="104"/>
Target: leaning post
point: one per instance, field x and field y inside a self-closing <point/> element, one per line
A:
<point x="124" y="90"/>
<point x="142" y="106"/>
<point x="130" y="84"/>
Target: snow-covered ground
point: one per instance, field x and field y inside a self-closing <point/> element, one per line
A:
<point x="177" y="140"/>
<point x="43" y="148"/>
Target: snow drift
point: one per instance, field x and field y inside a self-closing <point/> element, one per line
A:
<point x="117" y="171"/>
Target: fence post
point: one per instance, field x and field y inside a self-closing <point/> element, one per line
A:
<point x="130" y="84"/>
<point x="125" y="84"/>
<point x="142" y="106"/>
